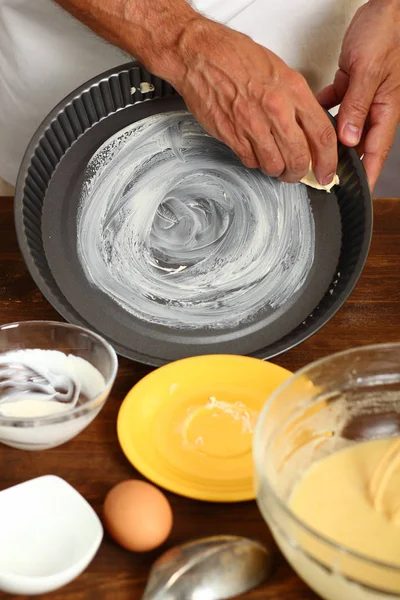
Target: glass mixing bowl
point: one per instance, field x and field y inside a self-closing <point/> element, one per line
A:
<point x="331" y="404"/>
<point x="39" y="433"/>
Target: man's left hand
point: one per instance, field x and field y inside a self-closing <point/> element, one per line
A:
<point x="367" y="84"/>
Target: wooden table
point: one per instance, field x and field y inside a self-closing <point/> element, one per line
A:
<point x="93" y="462"/>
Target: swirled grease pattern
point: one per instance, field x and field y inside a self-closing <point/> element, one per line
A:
<point x="178" y="232"/>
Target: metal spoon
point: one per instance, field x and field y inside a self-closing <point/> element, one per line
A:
<point x="211" y="568"/>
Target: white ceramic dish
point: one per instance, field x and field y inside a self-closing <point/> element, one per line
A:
<point x="49" y="535"/>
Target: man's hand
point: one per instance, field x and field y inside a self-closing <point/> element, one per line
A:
<point x="240" y="92"/>
<point x="367" y="84"/>
<point x="247" y="97"/>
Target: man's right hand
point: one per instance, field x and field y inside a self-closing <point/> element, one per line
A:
<point x="247" y="97"/>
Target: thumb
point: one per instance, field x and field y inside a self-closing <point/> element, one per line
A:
<point x="355" y="106"/>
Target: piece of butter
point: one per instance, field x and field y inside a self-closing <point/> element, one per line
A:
<point x="310" y="180"/>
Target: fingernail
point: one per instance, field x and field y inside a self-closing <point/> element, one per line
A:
<point x="352" y="134"/>
<point x="327" y="180"/>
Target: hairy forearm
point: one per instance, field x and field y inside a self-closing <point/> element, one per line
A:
<point x="150" y="30"/>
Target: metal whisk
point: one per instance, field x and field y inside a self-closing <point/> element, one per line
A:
<point x="18" y="378"/>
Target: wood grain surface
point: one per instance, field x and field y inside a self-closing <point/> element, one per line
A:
<point x="93" y="462"/>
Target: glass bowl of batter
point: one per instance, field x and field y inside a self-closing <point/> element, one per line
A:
<point x="54" y="380"/>
<point x="327" y="461"/>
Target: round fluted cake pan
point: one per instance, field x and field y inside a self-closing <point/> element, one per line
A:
<point x="90" y="123"/>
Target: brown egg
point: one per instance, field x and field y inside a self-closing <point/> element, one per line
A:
<point x="137" y="515"/>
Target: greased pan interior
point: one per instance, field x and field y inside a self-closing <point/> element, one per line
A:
<point x="47" y="198"/>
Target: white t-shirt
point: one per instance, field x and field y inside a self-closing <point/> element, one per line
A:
<point x="45" y="53"/>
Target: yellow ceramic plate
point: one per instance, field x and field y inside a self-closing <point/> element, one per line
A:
<point x="188" y="426"/>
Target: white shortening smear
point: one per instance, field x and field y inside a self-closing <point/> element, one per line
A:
<point x="31" y="407"/>
<point x="56" y="368"/>
<point x="237" y="410"/>
<point x="178" y="232"/>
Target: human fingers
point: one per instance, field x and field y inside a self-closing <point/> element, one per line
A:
<point x="269" y="156"/>
<point x="320" y="134"/>
<point x="293" y="146"/>
<point x="333" y="94"/>
<point x="246" y="153"/>
<point x="357" y="101"/>
<point x="225" y="130"/>
<point x="360" y="149"/>
<point x="378" y="142"/>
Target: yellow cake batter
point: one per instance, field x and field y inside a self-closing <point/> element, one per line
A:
<point x="353" y="498"/>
